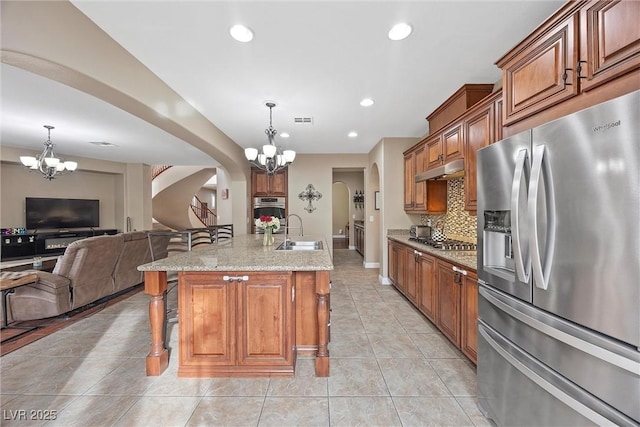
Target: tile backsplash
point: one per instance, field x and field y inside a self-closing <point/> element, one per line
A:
<point x="458" y="224"/>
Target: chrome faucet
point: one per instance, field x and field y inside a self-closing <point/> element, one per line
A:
<point x="287" y="227"/>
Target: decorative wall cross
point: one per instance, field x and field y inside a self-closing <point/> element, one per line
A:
<point x="310" y="194"/>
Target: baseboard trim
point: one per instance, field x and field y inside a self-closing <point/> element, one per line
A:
<point x="352" y="248"/>
<point x="371" y="264"/>
<point x="340" y="236"/>
<point x="384" y="280"/>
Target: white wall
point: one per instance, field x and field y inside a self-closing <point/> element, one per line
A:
<point x="317" y="169"/>
<point x="387" y="156"/>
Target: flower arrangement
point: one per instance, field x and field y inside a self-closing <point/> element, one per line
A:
<point x="266" y="221"/>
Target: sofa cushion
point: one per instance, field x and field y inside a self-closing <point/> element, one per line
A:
<point x="135" y="252"/>
<point x="47" y="297"/>
<point x="89" y="264"/>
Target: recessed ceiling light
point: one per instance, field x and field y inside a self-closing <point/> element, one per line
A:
<point x="241" y="33"/>
<point x="284" y="135"/>
<point x="352" y="134"/>
<point x="367" y="102"/>
<point x="102" y="144"/>
<point x="400" y="31"/>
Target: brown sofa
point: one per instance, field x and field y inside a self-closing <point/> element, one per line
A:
<point x="89" y="269"/>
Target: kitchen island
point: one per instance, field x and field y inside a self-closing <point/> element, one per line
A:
<point x="244" y="309"/>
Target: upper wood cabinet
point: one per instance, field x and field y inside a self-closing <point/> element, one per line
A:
<point x="479" y="133"/>
<point x="609" y="41"/>
<point x="263" y="184"/>
<point x="444" y="146"/>
<point x="541" y="74"/>
<point x="422" y="197"/>
<point x="580" y="47"/>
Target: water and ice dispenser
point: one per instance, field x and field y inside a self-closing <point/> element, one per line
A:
<point x="498" y="244"/>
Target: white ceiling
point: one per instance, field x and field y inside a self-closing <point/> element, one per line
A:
<point x="313" y="58"/>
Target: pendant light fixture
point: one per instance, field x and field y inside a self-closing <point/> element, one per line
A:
<point x="48" y="163"/>
<point x="272" y="159"/>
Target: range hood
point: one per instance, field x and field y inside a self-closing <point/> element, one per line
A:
<point x="454" y="169"/>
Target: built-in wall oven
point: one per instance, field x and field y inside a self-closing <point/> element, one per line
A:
<point x="271" y="206"/>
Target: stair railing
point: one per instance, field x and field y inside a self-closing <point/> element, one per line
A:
<point x="202" y="211"/>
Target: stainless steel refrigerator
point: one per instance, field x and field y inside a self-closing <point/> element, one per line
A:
<point x="559" y="271"/>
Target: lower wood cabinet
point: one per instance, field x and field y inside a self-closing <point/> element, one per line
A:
<point x="448" y="291"/>
<point x="426" y="275"/>
<point x="447" y="294"/>
<point x="236" y="324"/>
<point x="469" y="309"/>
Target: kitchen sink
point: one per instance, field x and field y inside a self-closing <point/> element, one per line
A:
<point x="310" y="245"/>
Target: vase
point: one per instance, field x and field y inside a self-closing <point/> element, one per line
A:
<point x="268" y="237"/>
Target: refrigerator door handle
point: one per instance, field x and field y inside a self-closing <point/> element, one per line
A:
<point x="522" y="270"/>
<point x="541" y="169"/>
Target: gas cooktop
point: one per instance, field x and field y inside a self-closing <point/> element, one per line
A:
<point x="446" y="245"/>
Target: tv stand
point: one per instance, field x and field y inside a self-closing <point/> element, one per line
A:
<point x="15" y="246"/>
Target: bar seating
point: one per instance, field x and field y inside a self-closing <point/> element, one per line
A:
<point x="220" y="232"/>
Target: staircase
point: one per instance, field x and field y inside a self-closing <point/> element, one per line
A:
<point x="173" y="202"/>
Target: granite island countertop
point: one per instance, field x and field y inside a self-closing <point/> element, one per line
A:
<point x="246" y="253"/>
<point x="467" y="259"/>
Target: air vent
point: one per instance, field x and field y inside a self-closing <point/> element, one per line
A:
<point x="303" y="120"/>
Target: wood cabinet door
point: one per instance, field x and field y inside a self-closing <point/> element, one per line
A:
<point x="478" y="132"/>
<point x="452" y="143"/>
<point x="263" y="184"/>
<point x="207" y="320"/>
<point x="543" y="73"/>
<point x="448" y="315"/>
<point x="434" y="151"/>
<point x="420" y="188"/>
<point x="259" y="183"/>
<point x="411" y="289"/>
<point x="265" y="320"/>
<point x="409" y="180"/>
<point x="393" y="262"/>
<point x="278" y="184"/>
<point x="469" y="301"/>
<point x="399" y="252"/>
<point x="609" y="41"/>
<point x="426" y="280"/>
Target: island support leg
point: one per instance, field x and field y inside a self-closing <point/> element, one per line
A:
<point x="322" y="354"/>
<point x="155" y="285"/>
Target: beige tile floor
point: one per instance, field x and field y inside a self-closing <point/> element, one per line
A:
<point x="389" y="367"/>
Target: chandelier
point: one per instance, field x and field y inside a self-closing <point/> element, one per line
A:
<point x="48" y="163"/>
<point x="272" y="159"/>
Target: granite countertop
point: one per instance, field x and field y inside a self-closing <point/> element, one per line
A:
<point x="468" y="259"/>
<point x="246" y="253"/>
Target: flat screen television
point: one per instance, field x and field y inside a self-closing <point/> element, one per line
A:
<point x="46" y="213"/>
